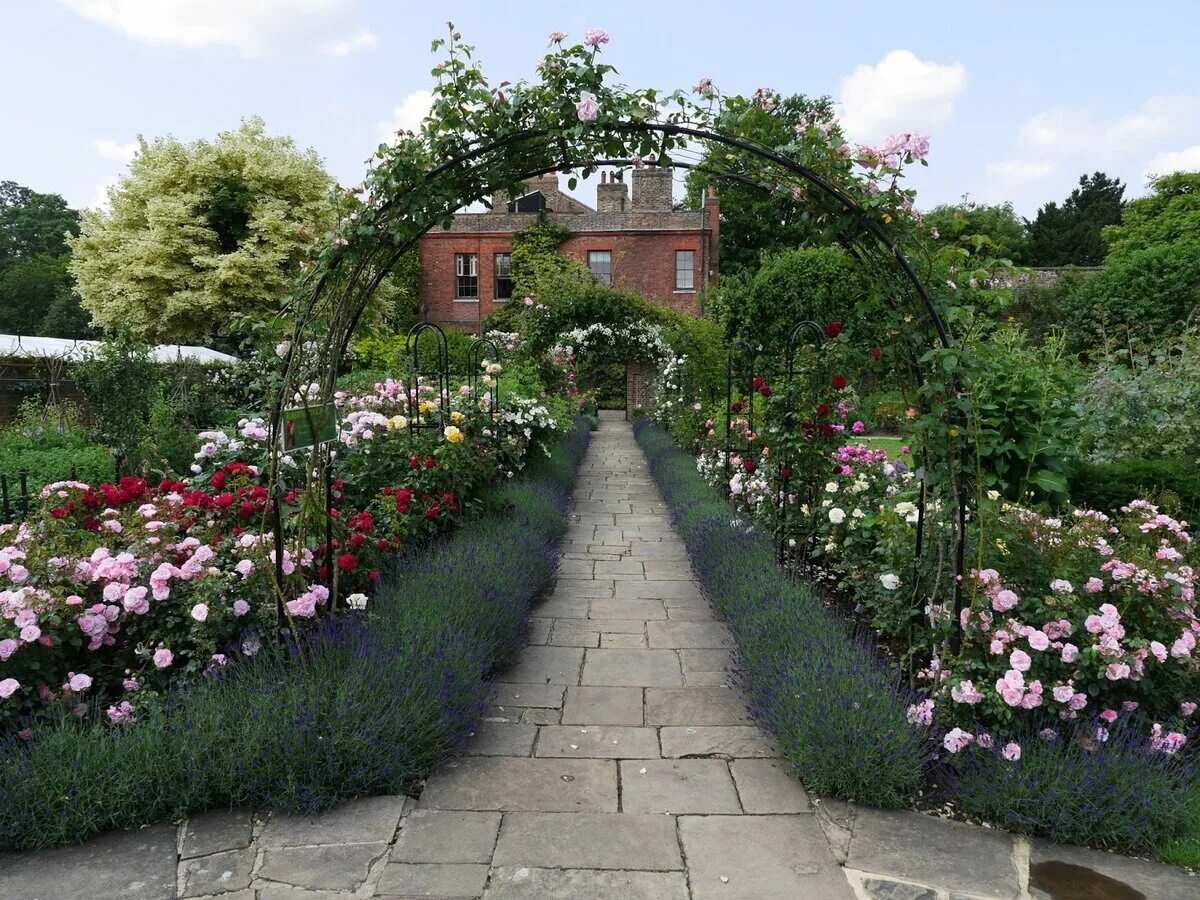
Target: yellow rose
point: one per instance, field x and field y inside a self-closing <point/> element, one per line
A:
<point x="427" y="406"/>
<point x="396" y="423"/>
<point x="456" y="417"/>
<point x="453" y="435"/>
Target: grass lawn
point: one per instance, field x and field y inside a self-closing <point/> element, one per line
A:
<point x="891" y="444"/>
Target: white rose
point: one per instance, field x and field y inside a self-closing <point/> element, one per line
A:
<point x="837" y="515"/>
<point x="831" y="487"/>
<point x="890" y="581"/>
<point x="993" y="495"/>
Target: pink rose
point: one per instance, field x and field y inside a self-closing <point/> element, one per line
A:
<point x="240" y="608"/>
<point x="587" y="108"/>
<point x="200" y="612"/>
<point x="1020" y="660"/>
<point x="1011" y="752"/>
<point x="1159" y="651"/>
<point x="594" y="37"/>
<point x="79" y="683"/>
<point x="1078" y="701"/>
<point x="1094" y="586"/>
<point x="956" y="739"/>
<point x="1069" y="653"/>
<point x="8" y="687"/>
<point x="163" y="657"/>
<point x="1116" y="671"/>
<point x="1109" y="716"/>
<point x="7" y="648"/>
<point x="1063" y="693"/>
<point x="1187" y="708"/>
<point x="1037" y="639"/>
<point x="1004" y="601"/>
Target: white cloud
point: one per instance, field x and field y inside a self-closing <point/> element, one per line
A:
<point x="1069" y="132"/>
<point x="407" y="116"/>
<point x="362" y="40"/>
<point x="112" y="150"/>
<point x="901" y="93"/>
<point x="256" y="28"/>
<point x="1186" y="160"/>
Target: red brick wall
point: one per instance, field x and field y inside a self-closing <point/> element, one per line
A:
<point x="643" y="262"/>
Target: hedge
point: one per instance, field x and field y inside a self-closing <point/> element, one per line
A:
<point x="1109" y="486"/>
<point x="839" y="716"/>
<point x="360" y="706"/>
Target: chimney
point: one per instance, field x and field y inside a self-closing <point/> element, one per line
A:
<point x="712" y="222"/>
<point x="548" y="185"/>
<point x="500" y="202"/>
<point x="652" y="189"/>
<point x="611" y="196"/>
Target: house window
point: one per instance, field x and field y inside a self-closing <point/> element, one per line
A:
<point x="600" y="262"/>
<point x="466" y="271"/>
<point x="685" y="270"/>
<point x="503" y="269"/>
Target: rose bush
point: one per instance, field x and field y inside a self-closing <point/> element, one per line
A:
<point x="113" y="593"/>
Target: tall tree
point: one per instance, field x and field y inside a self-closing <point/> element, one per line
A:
<point x="1069" y="235"/>
<point x="753" y="220"/>
<point x="33" y="256"/>
<point x="1003" y="228"/>
<point x="200" y="235"/>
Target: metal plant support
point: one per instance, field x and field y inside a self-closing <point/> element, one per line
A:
<point x="419" y="370"/>
<point x="739" y="352"/>
<point x="481" y="350"/>
<point x="792" y="422"/>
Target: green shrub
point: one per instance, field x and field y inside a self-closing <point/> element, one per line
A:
<point x="1174" y="483"/>
<point x="46" y="445"/>
<point x="393" y="355"/>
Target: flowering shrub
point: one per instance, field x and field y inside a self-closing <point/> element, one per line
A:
<point x="114" y="593"/>
<point x="1082" y="617"/>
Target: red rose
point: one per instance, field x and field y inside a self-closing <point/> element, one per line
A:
<point x="833" y="329"/>
<point x="433" y="511"/>
<point x="430" y="462"/>
<point x="403" y="501"/>
<point x="414" y="463"/>
<point x="765" y="390"/>
<point x="247" y="510"/>
<point x="750" y="467"/>
<point x="347" y="562"/>
<point x="218" y="481"/>
<point x="823" y="409"/>
<point x="876" y="353"/>
<point x="759" y="381"/>
<point x="827" y="431"/>
<point x="224" y="501"/>
<point x="357" y="541"/>
<point x="785" y="474"/>
<point x="839" y="382"/>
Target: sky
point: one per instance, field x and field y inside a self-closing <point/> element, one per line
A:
<point x="1019" y="98"/>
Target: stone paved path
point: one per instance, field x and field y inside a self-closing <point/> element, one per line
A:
<point x="616" y="762"/>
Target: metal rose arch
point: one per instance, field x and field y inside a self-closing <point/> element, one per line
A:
<point x="479" y="141"/>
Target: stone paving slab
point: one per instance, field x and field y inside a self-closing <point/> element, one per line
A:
<point x="727" y="741"/>
<point x="447" y="836"/>
<point x="547" y="695"/>
<point x="523" y="883"/>
<point x="957" y="857"/>
<point x="593" y="705"/>
<point x="333" y="867"/>
<point x="524" y="785"/>
<point x="357" y="822"/>
<point x="639" y="608"/>
<point x="689" y="635"/>
<point x="764" y="857"/>
<point x="598" y="742"/>
<point x="768" y="786"/>
<point x="501" y="739"/>
<point x="219" y="873"/>
<point x="1060" y="867"/>
<point x="215" y="831"/>
<point x="589" y="841"/>
<point x="120" y="865"/>
<point x="659" y="590"/>
<point x="677" y="786"/>
<point x="695" y="706"/>
<point x="432" y="880"/>
<point x="545" y="665"/>
<point x="632" y="668"/>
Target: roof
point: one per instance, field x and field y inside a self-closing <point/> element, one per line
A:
<point x="19" y="346"/>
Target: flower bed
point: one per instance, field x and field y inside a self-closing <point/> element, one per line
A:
<point x="114" y="594"/>
<point x="361" y="704"/>
<point x="839" y="717"/>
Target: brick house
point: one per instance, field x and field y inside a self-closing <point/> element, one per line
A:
<point x="642" y="244"/>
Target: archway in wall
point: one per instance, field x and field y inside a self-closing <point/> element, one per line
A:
<point x="481" y="141"/>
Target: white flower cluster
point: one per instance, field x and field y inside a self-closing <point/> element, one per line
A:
<point x="642" y="338"/>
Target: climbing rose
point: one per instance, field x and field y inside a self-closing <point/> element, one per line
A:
<point x="833" y="329"/>
<point x="587" y="108"/>
<point x="8" y="687"/>
<point x="163" y="657"/>
<point x="956" y="739"/>
<point x="594" y="37"/>
<point x="200" y="612"/>
<point x="79" y="683"/>
<point x="839" y="382"/>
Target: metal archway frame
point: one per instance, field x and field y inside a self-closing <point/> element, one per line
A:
<point x="488" y="166"/>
